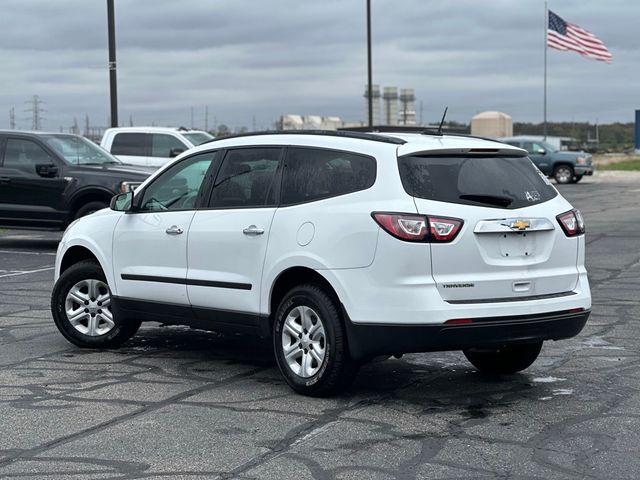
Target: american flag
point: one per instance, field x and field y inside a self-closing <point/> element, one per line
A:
<point x="567" y="36"/>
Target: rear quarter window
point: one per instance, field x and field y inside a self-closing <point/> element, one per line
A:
<point x="313" y="174"/>
<point x="135" y="144"/>
<point x="491" y="181"/>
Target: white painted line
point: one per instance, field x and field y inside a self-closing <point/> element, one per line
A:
<point x="15" y="274"/>
<point x="26" y="253"/>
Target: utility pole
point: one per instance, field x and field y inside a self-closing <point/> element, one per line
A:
<point x="36" y="111"/>
<point x="113" y="82"/>
<point x="369" y="75"/>
<point x="12" y="118"/>
<point x="75" y="128"/>
<point x="130" y="120"/>
<point x="206" y="118"/>
<point x="87" y="127"/>
<point x="191" y="118"/>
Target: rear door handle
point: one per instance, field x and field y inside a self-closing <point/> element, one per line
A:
<point x="5" y="179"/>
<point x="253" y="230"/>
<point x="174" y="230"/>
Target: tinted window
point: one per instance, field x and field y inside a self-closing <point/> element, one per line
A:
<point x="25" y="155"/>
<point x="136" y="144"/>
<point x="247" y="178"/>
<point x="488" y="181"/>
<point x="162" y="145"/>
<point x="178" y="188"/>
<point x="312" y="174"/>
<point x="198" y="138"/>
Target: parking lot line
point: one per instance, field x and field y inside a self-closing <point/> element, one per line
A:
<point x="27" y="253"/>
<point x="15" y="274"/>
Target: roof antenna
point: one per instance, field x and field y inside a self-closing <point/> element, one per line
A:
<point x="442" y="121"/>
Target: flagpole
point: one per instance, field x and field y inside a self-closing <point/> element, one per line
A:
<point x="546" y="30"/>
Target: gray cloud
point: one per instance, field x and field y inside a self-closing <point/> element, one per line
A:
<point x="265" y="58"/>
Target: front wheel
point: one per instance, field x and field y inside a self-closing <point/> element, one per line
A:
<point x="310" y="343"/>
<point x="89" y="208"/>
<point x="563" y="174"/>
<point x="81" y="308"/>
<point x="505" y="360"/>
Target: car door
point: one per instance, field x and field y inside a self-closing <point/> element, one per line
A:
<point x="31" y="185"/>
<point x="150" y="243"/>
<point x="539" y="156"/>
<point x="228" y="240"/>
<point x="164" y="147"/>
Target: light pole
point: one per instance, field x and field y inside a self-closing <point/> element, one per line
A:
<point x="113" y="82"/>
<point x="369" y="86"/>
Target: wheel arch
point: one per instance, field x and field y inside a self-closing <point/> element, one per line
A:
<point x="93" y="194"/>
<point x="76" y="254"/>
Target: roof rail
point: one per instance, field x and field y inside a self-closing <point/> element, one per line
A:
<point x="329" y="133"/>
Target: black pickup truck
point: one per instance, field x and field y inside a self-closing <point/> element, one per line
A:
<point x="49" y="179"/>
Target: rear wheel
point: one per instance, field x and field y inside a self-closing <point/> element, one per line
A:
<point x="81" y="308"/>
<point x="505" y="360"/>
<point x="310" y="343"/>
<point x="89" y="208"/>
<point x="563" y="174"/>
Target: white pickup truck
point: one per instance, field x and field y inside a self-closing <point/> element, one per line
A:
<point x="151" y="146"/>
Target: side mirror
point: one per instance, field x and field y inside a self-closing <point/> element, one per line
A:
<point x="174" y="152"/>
<point x="122" y="202"/>
<point x="46" y="170"/>
<point x="542" y="151"/>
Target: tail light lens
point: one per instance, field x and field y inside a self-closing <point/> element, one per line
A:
<point x="571" y="222"/>
<point x="418" y="228"/>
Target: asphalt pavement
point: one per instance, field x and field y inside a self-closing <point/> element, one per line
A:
<point x="180" y="403"/>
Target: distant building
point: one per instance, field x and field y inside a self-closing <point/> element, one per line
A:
<point x="407" y="113"/>
<point x="390" y="102"/>
<point x="492" y="124"/>
<point x="309" y="122"/>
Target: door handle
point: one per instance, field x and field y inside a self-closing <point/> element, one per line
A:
<point x="174" y="230"/>
<point x="5" y="179"/>
<point x="253" y="230"/>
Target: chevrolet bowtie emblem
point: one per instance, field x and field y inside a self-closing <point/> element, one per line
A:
<point x="520" y="225"/>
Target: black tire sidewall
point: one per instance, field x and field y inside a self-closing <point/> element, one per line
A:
<point x="90" y="207"/>
<point x="83" y="271"/>
<point x="304" y="296"/>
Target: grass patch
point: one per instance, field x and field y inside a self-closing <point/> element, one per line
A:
<point x="624" y="165"/>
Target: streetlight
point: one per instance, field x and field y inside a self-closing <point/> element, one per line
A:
<point x="113" y="84"/>
<point x="369" y="87"/>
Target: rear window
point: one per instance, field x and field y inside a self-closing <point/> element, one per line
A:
<point x="501" y="182"/>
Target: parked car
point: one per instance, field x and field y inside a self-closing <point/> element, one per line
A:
<point x="49" y="179"/>
<point x="340" y="247"/>
<point x="151" y="146"/>
<point x="564" y="166"/>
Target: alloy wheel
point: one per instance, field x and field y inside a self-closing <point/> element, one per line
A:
<point x="88" y="308"/>
<point x="304" y="342"/>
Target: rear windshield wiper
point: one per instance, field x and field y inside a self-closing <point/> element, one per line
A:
<point x="488" y="199"/>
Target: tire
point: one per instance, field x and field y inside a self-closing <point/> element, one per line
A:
<point x="577" y="178"/>
<point x="89" y="208"/>
<point x="563" y="174"/>
<point x="323" y="366"/>
<point x="90" y="325"/>
<point x="506" y="360"/>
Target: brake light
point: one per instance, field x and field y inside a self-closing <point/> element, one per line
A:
<point x="418" y="228"/>
<point x="572" y="223"/>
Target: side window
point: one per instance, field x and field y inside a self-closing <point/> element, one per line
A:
<point x="163" y="145"/>
<point x="135" y="144"/>
<point x="25" y="155"/>
<point x="247" y="178"/>
<point x="531" y="147"/>
<point x="178" y="188"/>
<point x="312" y="174"/>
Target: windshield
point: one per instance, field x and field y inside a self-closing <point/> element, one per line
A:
<point x="500" y="182"/>
<point x="198" y="138"/>
<point x="80" y="151"/>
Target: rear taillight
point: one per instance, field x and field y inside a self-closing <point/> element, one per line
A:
<point x="571" y="222"/>
<point x="418" y="228"/>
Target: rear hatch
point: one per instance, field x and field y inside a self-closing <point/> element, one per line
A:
<point x="510" y="246"/>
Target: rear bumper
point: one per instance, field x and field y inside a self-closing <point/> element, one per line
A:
<point x="366" y="341"/>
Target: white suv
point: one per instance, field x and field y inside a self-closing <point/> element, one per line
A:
<point x="340" y="246"/>
<point x="151" y="146"/>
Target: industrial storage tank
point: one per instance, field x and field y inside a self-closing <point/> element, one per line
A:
<point x="492" y="124"/>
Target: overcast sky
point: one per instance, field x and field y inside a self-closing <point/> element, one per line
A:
<point x="264" y="58"/>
